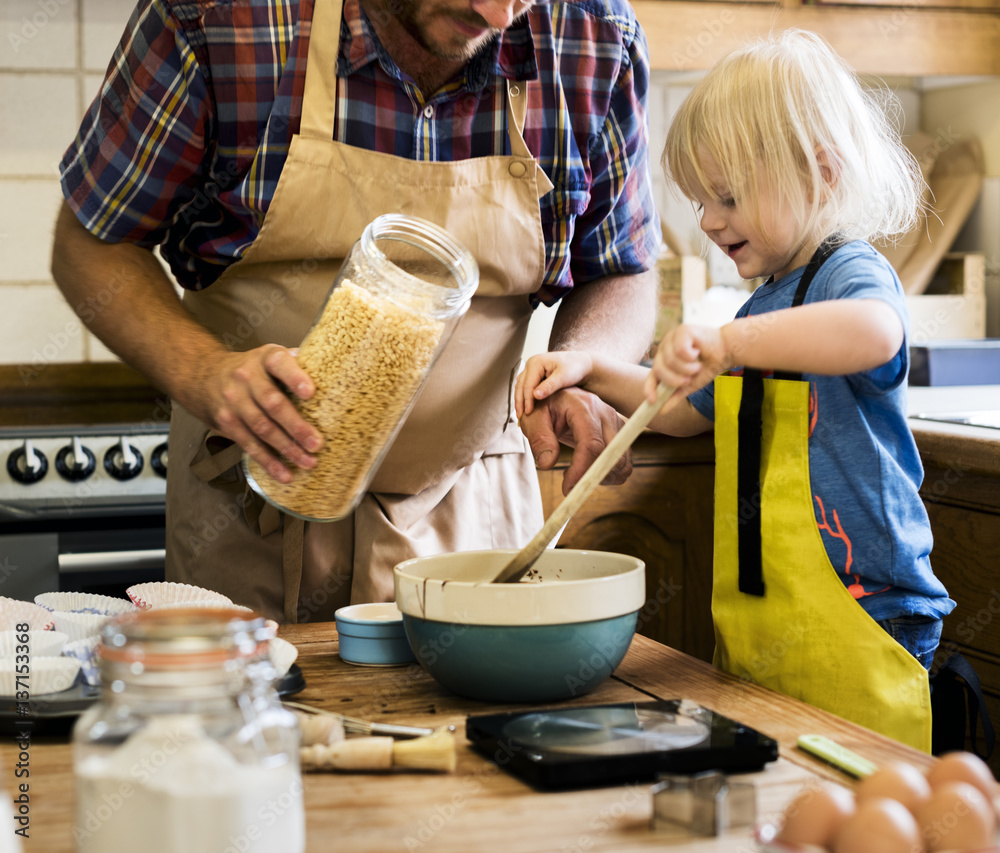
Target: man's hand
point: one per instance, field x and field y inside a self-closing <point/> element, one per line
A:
<point x="242" y="396"/>
<point x="580" y="420"/>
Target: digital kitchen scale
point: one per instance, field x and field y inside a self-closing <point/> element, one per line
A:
<point x="562" y="748"/>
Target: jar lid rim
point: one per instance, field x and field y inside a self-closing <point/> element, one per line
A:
<point x="179" y="636"/>
<point x="436" y="241"/>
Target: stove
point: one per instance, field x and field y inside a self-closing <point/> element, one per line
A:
<point x="81" y="508"/>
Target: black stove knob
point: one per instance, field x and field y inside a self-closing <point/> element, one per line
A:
<point x="75" y="462"/>
<point x="123" y="461"/>
<point x="158" y="460"/>
<point x="27" y="465"/>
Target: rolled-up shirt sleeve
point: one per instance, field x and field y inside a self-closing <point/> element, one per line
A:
<point x="611" y="223"/>
<point x="619" y="230"/>
<point x="137" y="159"/>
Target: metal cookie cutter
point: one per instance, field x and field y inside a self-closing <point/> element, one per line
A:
<point x="706" y="803"/>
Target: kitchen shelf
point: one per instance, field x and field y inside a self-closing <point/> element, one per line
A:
<point x="961" y="39"/>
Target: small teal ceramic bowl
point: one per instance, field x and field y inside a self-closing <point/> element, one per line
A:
<point x="372" y="635"/>
<point x="553" y="636"/>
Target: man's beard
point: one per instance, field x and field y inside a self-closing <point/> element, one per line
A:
<point x="407" y="13"/>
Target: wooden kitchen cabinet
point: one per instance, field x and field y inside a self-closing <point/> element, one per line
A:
<point x="663" y="515"/>
<point x="961" y="37"/>
<point x="961" y="491"/>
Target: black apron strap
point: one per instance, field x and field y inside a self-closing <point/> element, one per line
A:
<point x="955" y="691"/>
<point x="750" y="427"/>
<point x="826" y="248"/>
<point x="750" y="430"/>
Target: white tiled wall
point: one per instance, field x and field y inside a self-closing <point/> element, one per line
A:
<point x="52" y="57"/>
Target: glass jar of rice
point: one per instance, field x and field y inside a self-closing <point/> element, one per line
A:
<point x="392" y="308"/>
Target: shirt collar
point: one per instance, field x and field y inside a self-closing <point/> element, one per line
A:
<point x="511" y="56"/>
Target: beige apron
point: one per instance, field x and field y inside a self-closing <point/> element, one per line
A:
<point x="460" y="475"/>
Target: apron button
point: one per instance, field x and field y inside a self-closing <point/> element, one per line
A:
<point x="517" y="169"/>
<point x="515" y="91"/>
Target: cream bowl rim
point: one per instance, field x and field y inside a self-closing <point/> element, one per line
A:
<point x="559" y="602"/>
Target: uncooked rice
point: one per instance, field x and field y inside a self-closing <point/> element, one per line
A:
<point x="367" y="356"/>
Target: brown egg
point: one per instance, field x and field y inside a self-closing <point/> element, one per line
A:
<point x="898" y="781"/>
<point x="879" y="825"/>
<point x="963" y="767"/>
<point x="815" y="815"/>
<point x="957" y="817"/>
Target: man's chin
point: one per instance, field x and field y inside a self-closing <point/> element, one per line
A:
<point x="463" y="52"/>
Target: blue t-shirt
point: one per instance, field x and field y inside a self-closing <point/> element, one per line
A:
<point x="863" y="460"/>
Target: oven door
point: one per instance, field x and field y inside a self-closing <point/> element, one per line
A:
<point x="103" y="550"/>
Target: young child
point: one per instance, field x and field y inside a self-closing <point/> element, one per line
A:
<point x="822" y="584"/>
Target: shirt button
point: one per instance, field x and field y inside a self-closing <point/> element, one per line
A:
<point x="517" y="169"/>
<point x="428" y="111"/>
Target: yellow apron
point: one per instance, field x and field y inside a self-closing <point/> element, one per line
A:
<point x="787" y="621"/>
<point x="460" y="475"/>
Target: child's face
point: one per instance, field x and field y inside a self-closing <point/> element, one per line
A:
<point x="736" y="234"/>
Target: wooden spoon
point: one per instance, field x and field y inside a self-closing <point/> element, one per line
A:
<point x="525" y="558"/>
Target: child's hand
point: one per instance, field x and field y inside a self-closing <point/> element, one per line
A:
<point x="545" y="374"/>
<point x="688" y="358"/>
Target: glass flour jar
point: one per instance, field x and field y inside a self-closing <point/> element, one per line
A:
<point x="392" y="308"/>
<point x="189" y="749"/>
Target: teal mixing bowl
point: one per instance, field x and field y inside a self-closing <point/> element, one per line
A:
<point x="553" y="636"/>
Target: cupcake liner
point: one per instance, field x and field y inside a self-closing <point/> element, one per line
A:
<point x="84" y="602"/>
<point x="157" y="593"/>
<point x="282" y="654"/>
<point x="13" y="612"/>
<point x="178" y="605"/>
<point x="85" y="651"/>
<point x="40" y="643"/>
<point x="77" y="626"/>
<point x="45" y="675"/>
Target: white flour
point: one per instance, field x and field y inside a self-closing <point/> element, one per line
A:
<point x="171" y="789"/>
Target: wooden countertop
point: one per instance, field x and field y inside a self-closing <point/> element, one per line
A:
<point x="968" y="448"/>
<point x="964" y="448"/>
<point x="479" y="807"/>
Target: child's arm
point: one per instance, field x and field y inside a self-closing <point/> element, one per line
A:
<point x="618" y="383"/>
<point x="832" y="338"/>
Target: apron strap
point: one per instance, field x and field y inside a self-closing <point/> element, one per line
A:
<point x="826" y="248"/>
<point x="953" y="686"/>
<point x="319" y="98"/>
<point x="750" y="428"/>
<point x="216" y="464"/>
<point x="517" y="110"/>
<point x="750" y="431"/>
<point x="292" y="543"/>
<point x="219" y="457"/>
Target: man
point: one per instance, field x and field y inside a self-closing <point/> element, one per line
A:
<point x="252" y="141"/>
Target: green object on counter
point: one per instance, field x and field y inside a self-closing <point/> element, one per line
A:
<point x="837" y="755"/>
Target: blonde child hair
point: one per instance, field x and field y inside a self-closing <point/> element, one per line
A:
<point x="787" y="113"/>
